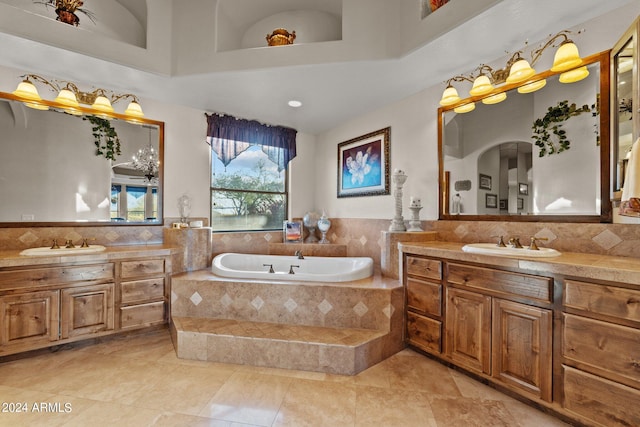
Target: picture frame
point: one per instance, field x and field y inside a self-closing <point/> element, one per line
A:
<point x="504" y="204"/>
<point x="491" y="200"/>
<point x="523" y="189"/>
<point x="363" y="165"/>
<point x="292" y="231"/>
<point x="484" y="182"/>
<point x="520" y="203"/>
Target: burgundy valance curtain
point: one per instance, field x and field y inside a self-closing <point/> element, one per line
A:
<point x="230" y="136"/>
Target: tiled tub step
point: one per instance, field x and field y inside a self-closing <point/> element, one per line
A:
<point x="311" y="348"/>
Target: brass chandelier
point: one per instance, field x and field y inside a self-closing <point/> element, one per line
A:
<point x="567" y="61"/>
<point x="70" y="97"/>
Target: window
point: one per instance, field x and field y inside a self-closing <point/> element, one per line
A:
<point x="134" y="203"/>
<point x="249" y="193"/>
<point x="248" y="173"/>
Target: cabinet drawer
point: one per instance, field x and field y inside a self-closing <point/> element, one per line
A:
<point x="55" y="275"/>
<point x="502" y="283"/>
<point x="613" y="350"/>
<point x="142" y="315"/>
<point x="599" y="400"/>
<point x="424" y="297"/>
<point x="424" y="333"/>
<point x="142" y="290"/>
<point x="601" y="299"/>
<point x="141" y="267"/>
<point x="423" y="267"/>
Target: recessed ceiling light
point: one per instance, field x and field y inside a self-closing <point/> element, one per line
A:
<point x="295" y="104"/>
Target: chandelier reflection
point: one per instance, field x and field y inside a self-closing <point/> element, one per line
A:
<point x="146" y="161"/>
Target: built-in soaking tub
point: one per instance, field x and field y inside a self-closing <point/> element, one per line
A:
<point x="311" y="268"/>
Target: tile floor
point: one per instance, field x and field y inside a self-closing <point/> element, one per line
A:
<point x="138" y="381"/>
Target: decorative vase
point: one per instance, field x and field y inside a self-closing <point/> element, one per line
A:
<point x="323" y="225"/>
<point x="310" y="221"/>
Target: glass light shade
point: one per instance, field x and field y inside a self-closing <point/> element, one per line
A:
<point x="494" y="99"/>
<point x="27" y="90"/>
<point x="481" y="86"/>
<point x="533" y="86"/>
<point x="134" y="110"/>
<point x="566" y="58"/>
<point x="574" y="75"/>
<point x="102" y="104"/>
<point x="465" y="108"/>
<point x="36" y="106"/>
<point x="520" y="71"/>
<point x="449" y="96"/>
<point x="67" y="98"/>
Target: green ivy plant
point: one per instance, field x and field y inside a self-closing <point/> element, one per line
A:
<point x="105" y="137"/>
<point x="552" y="123"/>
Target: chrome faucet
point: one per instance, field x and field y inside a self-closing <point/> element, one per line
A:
<point x="291" y="268"/>
<point x="270" y="267"/>
<point x="299" y="254"/>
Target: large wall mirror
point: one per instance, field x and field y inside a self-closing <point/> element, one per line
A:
<point x="51" y="174"/>
<point x="492" y="169"/>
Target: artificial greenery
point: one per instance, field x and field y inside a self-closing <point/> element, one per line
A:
<point x="105" y="137"/>
<point x="553" y="121"/>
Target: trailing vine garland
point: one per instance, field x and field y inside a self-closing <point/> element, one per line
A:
<point x="105" y="137"/>
<point x="553" y="121"/>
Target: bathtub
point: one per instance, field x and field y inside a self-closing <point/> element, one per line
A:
<point x="311" y="268"/>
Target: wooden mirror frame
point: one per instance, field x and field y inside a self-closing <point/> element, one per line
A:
<point x="603" y="58"/>
<point x="159" y="222"/>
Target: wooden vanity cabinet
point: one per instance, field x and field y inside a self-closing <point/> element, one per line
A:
<point x="424" y="303"/>
<point x="495" y="323"/>
<point x="601" y="352"/>
<point x="41" y="306"/>
<point x="143" y="293"/>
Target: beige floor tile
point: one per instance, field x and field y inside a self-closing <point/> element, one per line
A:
<point x="317" y="403"/>
<point x="383" y="407"/>
<point x="462" y="411"/>
<point x="421" y="374"/>
<point x="248" y="398"/>
<point x="531" y="417"/>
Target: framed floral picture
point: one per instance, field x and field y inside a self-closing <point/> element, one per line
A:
<point x="363" y="165"/>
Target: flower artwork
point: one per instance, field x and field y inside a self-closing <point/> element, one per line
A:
<point x="363" y="165"/>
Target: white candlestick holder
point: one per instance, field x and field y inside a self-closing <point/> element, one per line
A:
<point x="414" y="223"/>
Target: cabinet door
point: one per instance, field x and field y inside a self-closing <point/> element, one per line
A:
<point x="468" y="336"/>
<point x="29" y="320"/>
<point x="522" y="340"/>
<point x="424" y="333"/>
<point x="87" y="310"/>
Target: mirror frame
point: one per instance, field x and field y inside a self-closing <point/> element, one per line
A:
<point x="605" y="148"/>
<point x="90" y="111"/>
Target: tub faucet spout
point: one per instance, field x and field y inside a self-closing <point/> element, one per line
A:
<point x="270" y="267"/>
<point x="299" y="254"/>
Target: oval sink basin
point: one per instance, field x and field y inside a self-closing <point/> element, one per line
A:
<point x="493" y="249"/>
<point x="46" y="251"/>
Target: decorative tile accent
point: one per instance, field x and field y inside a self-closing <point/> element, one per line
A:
<point x="196" y="298"/>
<point x="461" y="231"/>
<point x="360" y="309"/>
<point x="290" y="305"/>
<point x="74" y="236"/>
<point x="607" y="239"/>
<point x="325" y="306"/>
<point x="226" y="300"/>
<point x="226" y="239"/>
<point x="545" y="233"/>
<point x="112" y="236"/>
<point x="268" y="237"/>
<point x="247" y="238"/>
<point x="145" y="235"/>
<point x="257" y="303"/>
<point x="363" y="240"/>
<point x="388" y="311"/>
<point x="28" y="238"/>
<point x="174" y="297"/>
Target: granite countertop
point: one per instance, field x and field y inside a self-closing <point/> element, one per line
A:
<point x="12" y="258"/>
<point x="588" y="266"/>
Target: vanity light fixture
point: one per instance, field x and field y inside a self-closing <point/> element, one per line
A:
<point x="70" y="98"/>
<point x="518" y="70"/>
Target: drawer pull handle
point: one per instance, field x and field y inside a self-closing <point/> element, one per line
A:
<point x="635" y="363"/>
<point x="633" y="301"/>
